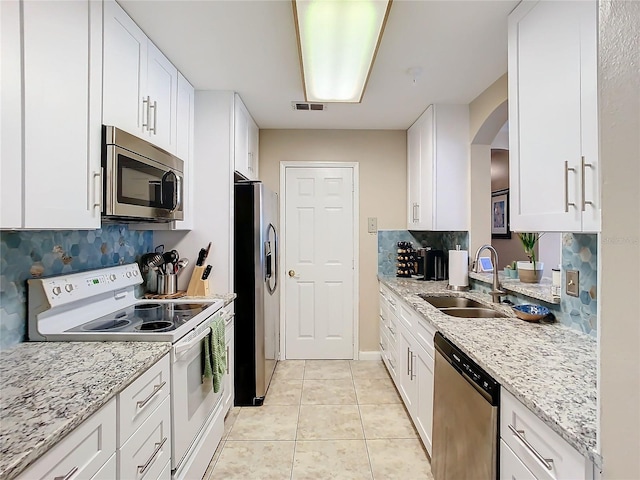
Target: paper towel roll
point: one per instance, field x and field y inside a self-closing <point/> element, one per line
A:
<point x="458" y="268"/>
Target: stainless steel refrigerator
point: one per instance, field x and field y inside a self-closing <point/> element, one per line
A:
<point x="257" y="306"/>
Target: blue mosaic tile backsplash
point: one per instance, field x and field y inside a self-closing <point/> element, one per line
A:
<point x="579" y="252"/>
<point x="24" y="255"/>
<point x="388" y="239"/>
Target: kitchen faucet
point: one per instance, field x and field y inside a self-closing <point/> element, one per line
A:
<point x="495" y="292"/>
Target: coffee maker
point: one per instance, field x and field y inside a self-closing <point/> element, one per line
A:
<point x="432" y="264"/>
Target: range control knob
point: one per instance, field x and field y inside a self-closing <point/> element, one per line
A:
<point x="112" y="277"/>
<point x="57" y="290"/>
<point x="135" y="273"/>
<point x="68" y="287"/>
<point x="128" y="274"/>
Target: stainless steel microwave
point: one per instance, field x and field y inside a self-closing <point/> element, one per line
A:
<point x="142" y="183"/>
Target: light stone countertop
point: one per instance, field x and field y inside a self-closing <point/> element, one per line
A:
<point x="49" y="388"/>
<point x="550" y="368"/>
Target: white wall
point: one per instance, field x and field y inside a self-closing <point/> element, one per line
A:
<point x="619" y="323"/>
<point x="382" y="158"/>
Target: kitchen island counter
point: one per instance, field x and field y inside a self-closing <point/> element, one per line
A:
<point x="550" y="368"/>
<point x="47" y="389"/>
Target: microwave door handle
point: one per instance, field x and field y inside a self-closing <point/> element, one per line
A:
<point x="178" y="192"/>
<point x="165" y="181"/>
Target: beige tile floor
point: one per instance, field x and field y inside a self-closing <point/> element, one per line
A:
<point x="322" y="419"/>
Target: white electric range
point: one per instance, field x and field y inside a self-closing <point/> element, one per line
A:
<point x="101" y="305"/>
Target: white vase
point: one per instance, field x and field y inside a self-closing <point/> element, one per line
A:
<point x="527" y="274"/>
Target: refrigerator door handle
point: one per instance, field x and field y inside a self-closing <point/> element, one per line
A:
<point x="273" y="258"/>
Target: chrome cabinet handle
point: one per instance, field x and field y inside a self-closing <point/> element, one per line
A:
<point x="68" y="475"/>
<point x="408" y="361"/>
<point x="584" y="201"/>
<point x="567" y="204"/>
<point x="227" y="360"/>
<point x="393" y="332"/>
<point x="155" y="117"/>
<point x="413" y="375"/>
<point x="97" y="197"/>
<point x="156" y="389"/>
<point x="146" y="102"/>
<point x="382" y="346"/>
<point x="520" y="435"/>
<point x="143" y="468"/>
<point x="417" y="212"/>
<point x="227" y="319"/>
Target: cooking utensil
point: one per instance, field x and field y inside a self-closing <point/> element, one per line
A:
<point x="206" y="272"/>
<point x="183" y="262"/>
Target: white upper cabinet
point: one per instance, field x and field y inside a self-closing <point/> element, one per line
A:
<point x="184" y="147"/>
<point x="438" y="169"/>
<point x="553" y="134"/>
<point x="246" y="135"/>
<point x="140" y="83"/>
<point x="59" y="185"/>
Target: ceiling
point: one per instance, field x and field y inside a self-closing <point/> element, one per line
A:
<point x="250" y="47"/>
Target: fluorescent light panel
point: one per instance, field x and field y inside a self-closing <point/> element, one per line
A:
<point x="338" y="41"/>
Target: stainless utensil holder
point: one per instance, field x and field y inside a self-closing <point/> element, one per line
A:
<point x="167" y="283"/>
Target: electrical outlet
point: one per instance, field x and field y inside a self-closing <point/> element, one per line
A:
<point x="372" y="223"/>
<point x="572" y="285"/>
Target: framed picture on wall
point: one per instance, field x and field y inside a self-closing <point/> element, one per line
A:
<point x="500" y="214"/>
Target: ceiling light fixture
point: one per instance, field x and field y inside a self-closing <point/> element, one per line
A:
<point x="337" y="42"/>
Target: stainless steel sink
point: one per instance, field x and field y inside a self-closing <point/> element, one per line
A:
<point x="473" y="312"/>
<point x="448" y="302"/>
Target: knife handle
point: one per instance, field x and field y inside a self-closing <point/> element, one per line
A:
<point x="206" y="272"/>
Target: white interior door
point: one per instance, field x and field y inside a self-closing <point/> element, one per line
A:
<point x="319" y="262"/>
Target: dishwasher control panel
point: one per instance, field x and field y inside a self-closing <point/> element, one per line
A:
<point x="471" y="370"/>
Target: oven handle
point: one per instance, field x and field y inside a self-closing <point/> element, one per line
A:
<point x="181" y="348"/>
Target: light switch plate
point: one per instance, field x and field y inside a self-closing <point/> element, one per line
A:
<point x="572" y="286"/>
<point x="372" y="223"/>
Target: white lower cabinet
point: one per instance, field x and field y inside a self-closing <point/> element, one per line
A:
<point x="109" y="470"/>
<point x="83" y="452"/>
<point x="541" y="452"/>
<point x="406" y="337"/>
<point x="147" y="452"/>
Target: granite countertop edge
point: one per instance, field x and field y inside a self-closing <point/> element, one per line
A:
<point x="577" y="426"/>
<point x="18" y="447"/>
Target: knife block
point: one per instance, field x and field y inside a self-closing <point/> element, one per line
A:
<point x="198" y="287"/>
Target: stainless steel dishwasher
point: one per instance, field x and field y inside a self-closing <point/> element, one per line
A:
<point x="465" y="417"/>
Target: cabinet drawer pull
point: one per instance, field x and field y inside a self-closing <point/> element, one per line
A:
<point x="156" y="389"/>
<point x="520" y="435"/>
<point x="145" y="106"/>
<point x="408" y="361"/>
<point x="143" y="468"/>
<point x="393" y="332"/>
<point x="227" y="319"/>
<point x="585" y="202"/>
<point x="155" y="117"/>
<point x="567" y="204"/>
<point x="381" y="346"/>
<point x="413" y="375"/>
<point x="68" y="475"/>
<point x="97" y="189"/>
<point x="227" y="360"/>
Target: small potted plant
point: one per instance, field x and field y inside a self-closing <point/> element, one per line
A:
<point x="531" y="271"/>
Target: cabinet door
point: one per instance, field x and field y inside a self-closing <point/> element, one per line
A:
<point x="413" y="174"/>
<point x="427" y="174"/>
<point x="254" y="139"/>
<point x="62" y="114"/>
<point x="162" y="89"/>
<point x="423" y="366"/>
<point x="125" y="67"/>
<point x="184" y="148"/>
<point x="544" y="116"/>
<point x="511" y="467"/>
<point x="241" y="134"/>
<point x="408" y="384"/>
<point x="10" y="116"/>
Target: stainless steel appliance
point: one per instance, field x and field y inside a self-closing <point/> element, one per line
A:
<point x="101" y="305"/>
<point x="141" y="181"/>
<point x="465" y="416"/>
<point x="257" y="306"/>
<point x="432" y="264"/>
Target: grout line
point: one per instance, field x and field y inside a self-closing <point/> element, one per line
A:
<point x="364" y="435"/>
<point x="295" y="440"/>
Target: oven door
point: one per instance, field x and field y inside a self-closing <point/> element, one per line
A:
<point x="138" y="187"/>
<point x="192" y="397"/>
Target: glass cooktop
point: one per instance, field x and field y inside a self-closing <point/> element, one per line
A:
<point x="144" y="318"/>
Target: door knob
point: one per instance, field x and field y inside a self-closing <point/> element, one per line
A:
<point x="292" y="273"/>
